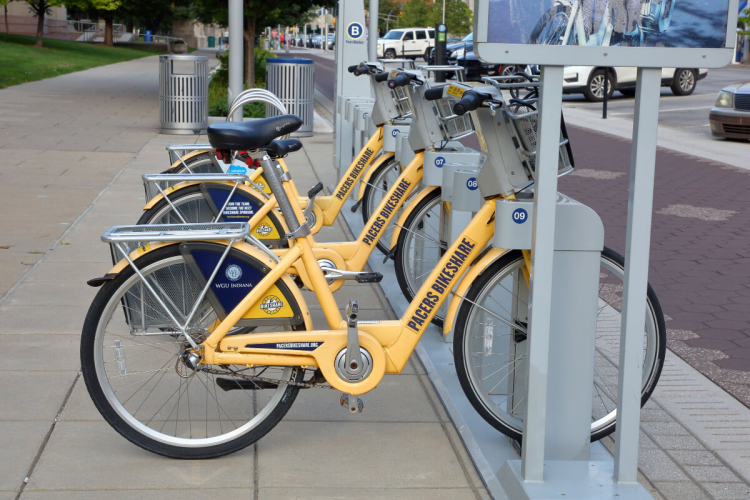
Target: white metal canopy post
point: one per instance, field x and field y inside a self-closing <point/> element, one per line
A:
<point x="543" y="240"/>
<point x="236" y="44"/>
<point x="637" y="245"/>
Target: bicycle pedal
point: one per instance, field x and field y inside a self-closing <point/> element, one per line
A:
<point x="348" y="401"/>
<point x="317" y="188"/>
<point x="356" y="206"/>
<point x="369" y="278"/>
<point x="389" y="255"/>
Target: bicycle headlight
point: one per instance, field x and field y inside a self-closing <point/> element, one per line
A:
<point x="725" y="100"/>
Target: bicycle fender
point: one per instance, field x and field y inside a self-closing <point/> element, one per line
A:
<point x="156" y="199"/>
<point x="185" y="158"/>
<point x="407" y="210"/>
<point x="291" y="288"/>
<point x="368" y="173"/>
<point x="463" y="286"/>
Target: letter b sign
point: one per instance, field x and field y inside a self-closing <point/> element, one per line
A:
<point x="355" y="30"/>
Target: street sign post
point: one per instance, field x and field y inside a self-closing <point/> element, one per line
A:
<point x="441" y="31"/>
<point x="649" y="35"/>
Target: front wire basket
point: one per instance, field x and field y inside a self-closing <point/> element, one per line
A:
<point x="524" y="118"/>
<point x="401" y="100"/>
<point x="452" y="126"/>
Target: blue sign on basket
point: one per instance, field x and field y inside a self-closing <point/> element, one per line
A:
<point x="520" y="216"/>
<point x="439" y="162"/>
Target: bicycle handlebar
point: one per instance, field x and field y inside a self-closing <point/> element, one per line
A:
<point x="399" y="80"/>
<point x="352" y="68"/>
<point x="433" y="94"/>
<point x="381" y="77"/>
<point x="469" y="102"/>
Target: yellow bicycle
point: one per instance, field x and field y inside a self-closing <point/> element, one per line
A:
<point x="197" y="343"/>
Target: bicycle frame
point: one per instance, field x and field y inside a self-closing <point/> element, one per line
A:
<point x="389" y="342"/>
<point x="325" y="208"/>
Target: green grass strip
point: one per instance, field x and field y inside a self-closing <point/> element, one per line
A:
<point x="21" y="62"/>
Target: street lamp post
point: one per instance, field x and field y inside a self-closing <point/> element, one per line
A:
<point x="235" y="55"/>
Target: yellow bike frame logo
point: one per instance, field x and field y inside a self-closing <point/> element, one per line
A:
<point x="264" y="229"/>
<point x="352" y="177"/>
<point x="271" y="304"/>
<point x="442" y="284"/>
<point x="382" y="219"/>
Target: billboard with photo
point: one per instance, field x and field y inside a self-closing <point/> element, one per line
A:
<point x="619" y="26"/>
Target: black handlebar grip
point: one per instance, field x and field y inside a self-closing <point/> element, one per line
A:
<point x="352" y="68"/>
<point x="381" y="77"/>
<point x="362" y="69"/>
<point x="469" y="102"/>
<point x="433" y="94"/>
<point x="399" y="80"/>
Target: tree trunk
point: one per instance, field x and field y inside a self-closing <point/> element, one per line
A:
<point x="40" y="23"/>
<point x="7" y="30"/>
<point x="108" y="32"/>
<point x="249" y="36"/>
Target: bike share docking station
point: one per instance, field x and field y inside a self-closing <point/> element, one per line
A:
<point x="564" y="239"/>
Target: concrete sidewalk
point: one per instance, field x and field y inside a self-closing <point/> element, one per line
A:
<point x="54" y="442"/>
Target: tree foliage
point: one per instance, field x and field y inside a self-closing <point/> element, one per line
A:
<point x="100" y="9"/>
<point x="743" y="22"/>
<point x="422" y="13"/>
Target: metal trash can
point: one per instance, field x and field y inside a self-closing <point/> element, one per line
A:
<point x="211" y="42"/>
<point x="291" y="80"/>
<point x="183" y="94"/>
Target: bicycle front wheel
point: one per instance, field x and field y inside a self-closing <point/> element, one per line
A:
<point x="491" y="356"/>
<point x="420" y="248"/>
<point x="376" y="189"/>
<point x="132" y="361"/>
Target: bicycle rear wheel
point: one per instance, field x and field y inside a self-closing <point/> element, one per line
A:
<point x="132" y="364"/>
<point x="490" y="356"/>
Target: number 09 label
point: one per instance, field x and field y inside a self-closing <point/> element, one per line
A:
<point x="520" y="216"/>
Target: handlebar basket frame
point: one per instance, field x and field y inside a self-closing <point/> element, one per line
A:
<point x="452" y="126"/>
<point x="523" y="117"/>
<point x="401" y="99"/>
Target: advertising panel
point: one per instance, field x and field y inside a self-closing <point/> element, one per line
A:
<point x="684" y="33"/>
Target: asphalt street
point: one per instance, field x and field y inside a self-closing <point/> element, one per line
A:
<point x="700" y="247"/>
<point x="689" y="113"/>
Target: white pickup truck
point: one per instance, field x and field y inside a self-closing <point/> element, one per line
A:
<point x="407" y="42"/>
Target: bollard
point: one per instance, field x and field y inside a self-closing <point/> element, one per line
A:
<point x="344" y="143"/>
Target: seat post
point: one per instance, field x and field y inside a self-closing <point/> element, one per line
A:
<point x="274" y="183"/>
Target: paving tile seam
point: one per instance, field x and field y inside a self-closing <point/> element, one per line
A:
<point x="47" y="437"/>
<point x="68" y="230"/>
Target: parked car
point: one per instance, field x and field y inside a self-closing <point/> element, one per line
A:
<point x="407" y="42"/>
<point x="462" y="53"/>
<point x="589" y="81"/>
<point x="730" y="118"/>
